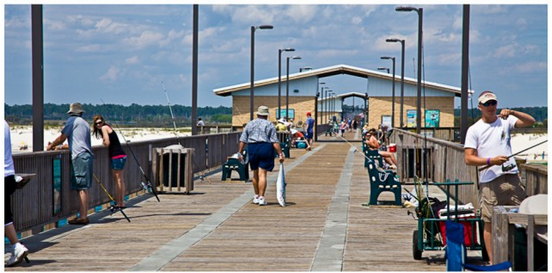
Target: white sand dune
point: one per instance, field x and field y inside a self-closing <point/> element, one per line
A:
<point x="22" y="136"/>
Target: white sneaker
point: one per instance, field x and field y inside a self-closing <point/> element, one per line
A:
<point x="262" y="201"/>
<point x="256" y="199"/>
<point x="19" y="252"/>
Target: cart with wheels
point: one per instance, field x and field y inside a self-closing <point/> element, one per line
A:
<point x="430" y="234"/>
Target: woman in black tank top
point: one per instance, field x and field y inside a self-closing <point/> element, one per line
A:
<point x="116" y="154"/>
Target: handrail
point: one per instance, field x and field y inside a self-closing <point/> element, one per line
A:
<point x="33" y="205"/>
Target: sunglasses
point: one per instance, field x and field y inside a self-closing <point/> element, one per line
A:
<point x="491" y="102"/>
<point x="99" y="122"/>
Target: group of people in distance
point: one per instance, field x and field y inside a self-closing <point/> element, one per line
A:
<point x="283" y="125"/>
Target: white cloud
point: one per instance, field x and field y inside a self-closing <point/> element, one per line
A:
<point x="145" y="39"/>
<point x="132" y="60"/>
<point x="356" y="20"/>
<point x="530" y="67"/>
<point x="111" y="74"/>
<point x="505" y="51"/>
<point x="301" y="13"/>
<point x="89" y="48"/>
<point x="107" y="26"/>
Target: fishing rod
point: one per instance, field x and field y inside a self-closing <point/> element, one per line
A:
<point x="202" y="175"/>
<point x="172" y="115"/>
<point x="113" y="207"/>
<point x="146" y="186"/>
<point x="488" y="166"/>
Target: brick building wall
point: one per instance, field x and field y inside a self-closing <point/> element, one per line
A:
<point x="379" y="106"/>
<point x="301" y="105"/>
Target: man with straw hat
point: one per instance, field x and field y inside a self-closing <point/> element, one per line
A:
<point x="77" y="131"/>
<point x="261" y="138"/>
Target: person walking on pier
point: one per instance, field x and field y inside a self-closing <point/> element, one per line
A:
<point x="19" y="251"/>
<point x="488" y="143"/>
<point x="261" y="139"/>
<point x="77" y="131"/>
<point x="116" y="154"/>
<point x="310" y="130"/>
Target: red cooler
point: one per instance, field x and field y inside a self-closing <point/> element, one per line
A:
<point x="392" y="148"/>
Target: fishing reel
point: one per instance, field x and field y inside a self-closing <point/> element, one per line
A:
<point x="508" y="167"/>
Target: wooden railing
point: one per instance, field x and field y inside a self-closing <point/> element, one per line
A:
<point x="445" y="160"/>
<point x="33" y="205"/>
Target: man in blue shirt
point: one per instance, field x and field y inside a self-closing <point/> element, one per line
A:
<point x="77" y="131"/>
<point x="310" y="130"/>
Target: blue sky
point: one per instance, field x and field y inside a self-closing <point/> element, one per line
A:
<point x="122" y="53"/>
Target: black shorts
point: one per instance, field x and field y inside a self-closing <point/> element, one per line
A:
<point x="10" y="186"/>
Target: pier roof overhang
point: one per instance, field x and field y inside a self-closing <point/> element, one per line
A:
<point x="332" y="71"/>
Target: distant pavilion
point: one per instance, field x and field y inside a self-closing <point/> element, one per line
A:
<point x="305" y="96"/>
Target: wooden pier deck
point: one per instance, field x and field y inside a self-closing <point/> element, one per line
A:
<point x="325" y="227"/>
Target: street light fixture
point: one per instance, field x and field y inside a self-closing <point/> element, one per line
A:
<point x="252" y="88"/>
<point x="393" y="97"/>
<point x="280" y="76"/>
<point x="384" y="68"/>
<point x="420" y="12"/>
<point x="287" y="83"/>
<point x="402" y="75"/>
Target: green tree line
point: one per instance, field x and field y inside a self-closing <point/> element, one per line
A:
<point x="132" y="115"/>
<point x="539" y="113"/>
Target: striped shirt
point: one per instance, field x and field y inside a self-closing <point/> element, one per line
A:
<point x="259" y="130"/>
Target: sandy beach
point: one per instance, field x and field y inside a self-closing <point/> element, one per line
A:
<point x="22" y="136"/>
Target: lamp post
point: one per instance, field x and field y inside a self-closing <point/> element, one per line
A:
<point x="393" y="97"/>
<point x="287" y="83"/>
<point x="402" y="76"/>
<point x="328" y="91"/>
<point x="280" y="76"/>
<point x="322" y="101"/>
<point x="420" y="12"/>
<point x="384" y="68"/>
<point x="252" y="88"/>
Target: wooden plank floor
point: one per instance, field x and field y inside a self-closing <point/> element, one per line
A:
<point x="237" y="235"/>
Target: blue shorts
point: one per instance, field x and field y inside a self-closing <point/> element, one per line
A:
<point x="118" y="163"/>
<point x="81" y="172"/>
<point x="261" y="155"/>
<point x="309" y="135"/>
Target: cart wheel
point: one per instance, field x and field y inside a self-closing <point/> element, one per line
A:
<point x="416" y="252"/>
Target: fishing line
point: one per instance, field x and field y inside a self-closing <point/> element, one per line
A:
<point x="488" y="166"/>
<point x="144" y="185"/>
<point x="113" y="207"/>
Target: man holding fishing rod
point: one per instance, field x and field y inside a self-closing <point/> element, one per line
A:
<point x="488" y="144"/>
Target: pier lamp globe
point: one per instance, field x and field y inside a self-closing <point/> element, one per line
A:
<point x="252" y="88"/>
<point x="289" y="49"/>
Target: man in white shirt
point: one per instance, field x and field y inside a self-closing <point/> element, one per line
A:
<point x="488" y="144"/>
